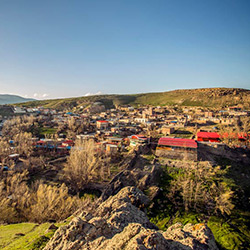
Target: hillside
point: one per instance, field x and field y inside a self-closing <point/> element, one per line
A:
<point x="10" y="99"/>
<point x="116" y="223"/>
<point x="207" y="97"/>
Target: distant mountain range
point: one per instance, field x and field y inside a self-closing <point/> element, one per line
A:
<point x="205" y="97"/>
<point x="11" y="99"/>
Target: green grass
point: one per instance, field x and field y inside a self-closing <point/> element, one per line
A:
<point x="48" y="131"/>
<point x="9" y="239"/>
<point x="8" y="232"/>
<point x="149" y="157"/>
<point x="233" y="235"/>
<point x="185" y="136"/>
<point x="227" y="236"/>
<point x="35" y="236"/>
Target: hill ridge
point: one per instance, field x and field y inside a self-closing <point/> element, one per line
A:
<point x="12" y="99"/>
<point x="204" y="97"/>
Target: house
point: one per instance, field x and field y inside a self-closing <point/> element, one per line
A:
<point x="138" y="139"/>
<point x="234" y="108"/>
<point x="141" y="120"/>
<point x="116" y="140"/>
<point x="111" y="148"/>
<point x="167" y="130"/>
<point x="209" y="114"/>
<point x="177" y="148"/>
<point x="239" y="139"/>
<point x="68" y="144"/>
<point x="141" y="138"/>
<point x="18" y="110"/>
<point x="14" y="157"/>
<point x="102" y="125"/>
<point x="208" y="137"/>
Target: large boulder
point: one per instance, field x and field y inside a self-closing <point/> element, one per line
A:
<point x="120" y="223"/>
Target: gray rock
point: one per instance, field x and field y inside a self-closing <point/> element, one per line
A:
<point x="119" y="223"/>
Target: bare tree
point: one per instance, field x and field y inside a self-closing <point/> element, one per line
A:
<point x="23" y="142"/>
<point x="4" y="151"/>
<point x="198" y="191"/>
<point x="85" y="164"/>
<point x="17" y="125"/>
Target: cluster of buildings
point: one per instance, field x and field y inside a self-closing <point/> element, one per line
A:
<point x="113" y="129"/>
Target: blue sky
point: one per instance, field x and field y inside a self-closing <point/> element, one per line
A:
<point x="64" y="48"/>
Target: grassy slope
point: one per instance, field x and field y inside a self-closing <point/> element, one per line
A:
<point x="35" y="236"/>
<point x="213" y="97"/>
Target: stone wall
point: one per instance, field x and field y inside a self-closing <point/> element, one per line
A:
<point x="178" y="154"/>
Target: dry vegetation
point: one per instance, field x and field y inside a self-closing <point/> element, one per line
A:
<point x="38" y="202"/>
<point x="201" y="190"/>
<point x="86" y="165"/>
<point x="25" y="195"/>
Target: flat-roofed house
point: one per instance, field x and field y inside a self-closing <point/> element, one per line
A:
<point x="102" y="125"/>
<point x="167" y="130"/>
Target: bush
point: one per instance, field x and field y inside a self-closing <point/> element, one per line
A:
<point x="38" y="203"/>
<point x="86" y="164"/>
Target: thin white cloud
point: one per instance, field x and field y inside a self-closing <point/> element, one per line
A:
<point x="40" y="96"/>
<point x="97" y="93"/>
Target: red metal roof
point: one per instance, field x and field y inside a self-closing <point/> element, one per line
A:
<point x="102" y="121"/>
<point x="177" y="142"/>
<point x="240" y="135"/>
<point x="142" y="137"/>
<point x="214" y="135"/>
<point x="208" y="135"/>
<point x="68" y="141"/>
<point x="40" y="141"/>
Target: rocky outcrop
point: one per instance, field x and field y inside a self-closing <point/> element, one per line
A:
<point x="120" y="223"/>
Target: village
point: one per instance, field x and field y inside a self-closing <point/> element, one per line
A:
<point x="125" y="125"/>
<point x="173" y="132"/>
